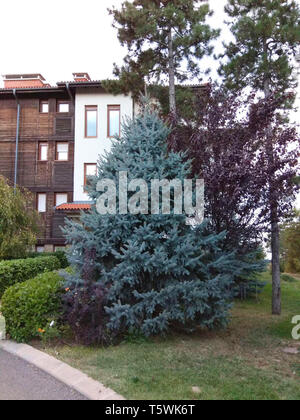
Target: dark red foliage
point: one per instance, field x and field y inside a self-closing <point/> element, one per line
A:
<point x="84" y="306"/>
<point x="230" y="148"/>
<point x="84" y="313"/>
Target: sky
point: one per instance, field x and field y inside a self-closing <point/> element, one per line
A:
<point x="60" y="37"/>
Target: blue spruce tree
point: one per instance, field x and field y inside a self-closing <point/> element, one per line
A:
<point x="157" y="271"/>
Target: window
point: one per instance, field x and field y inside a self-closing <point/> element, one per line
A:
<point x="43" y="151"/>
<point x="41" y="202"/>
<point x="40" y="249"/>
<point x="62" y="151"/>
<point x="61" y="198"/>
<point x="59" y="248"/>
<point x="114" y="120"/>
<point x="63" y="107"/>
<point x="90" y="169"/>
<point x="91" y="121"/>
<point x="44" y="107"/>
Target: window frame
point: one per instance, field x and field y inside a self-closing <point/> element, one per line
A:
<point x="59" y="247"/>
<point x="60" y="193"/>
<point x="56" y="152"/>
<point x="37" y="202"/>
<point x="58" y="103"/>
<point x="109" y="109"/>
<point x="40" y="246"/>
<point x="41" y="107"/>
<point x="87" y="109"/>
<point x="85" y="174"/>
<point x="40" y="145"/>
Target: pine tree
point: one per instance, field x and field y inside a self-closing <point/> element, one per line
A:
<point x="157" y="271"/>
<point x="161" y="35"/>
<point x="266" y="35"/>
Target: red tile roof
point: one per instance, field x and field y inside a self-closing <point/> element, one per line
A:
<point x="74" y="206"/>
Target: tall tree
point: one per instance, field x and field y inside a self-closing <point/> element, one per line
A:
<point x="223" y="144"/>
<point x="18" y="226"/>
<point x="158" y="271"/>
<point x="266" y="34"/>
<point x="164" y="38"/>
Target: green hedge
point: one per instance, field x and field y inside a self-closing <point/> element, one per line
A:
<point x="61" y="255"/>
<point x="17" y="271"/>
<point x="28" y="307"/>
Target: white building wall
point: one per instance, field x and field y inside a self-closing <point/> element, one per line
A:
<point x="87" y="150"/>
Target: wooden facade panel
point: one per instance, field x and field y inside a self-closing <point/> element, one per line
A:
<point x="29" y="122"/>
<point x="63" y="126"/>
<point x="62" y="176"/>
<point x="8" y="122"/>
<point x="48" y="177"/>
<point x="7" y="160"/>
<point x="43" y="174"/>
<point x="57" y="222"/>
<point x="42" y="226"/>
<point x="26" y="163"/>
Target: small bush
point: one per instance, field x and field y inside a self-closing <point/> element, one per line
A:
<point x="287" y="278"/>
<point x="293" y="265"/>
<point x="60" y="255"/>
<point x="27" y="307"/>
<point x="85" y="314"/>
<point x="249" y="290"/>
<point x="282" y="266"/>
<point x="17" y="271"/>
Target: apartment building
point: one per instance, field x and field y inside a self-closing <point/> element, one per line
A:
<point x="50" y="141"/>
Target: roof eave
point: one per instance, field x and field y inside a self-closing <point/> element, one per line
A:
<point x="31" y="90"/>
<point x="93" y="84"/>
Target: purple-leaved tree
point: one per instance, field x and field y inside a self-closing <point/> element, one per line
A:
<point x="244" y="177"/>
<point x="266" y="35"/>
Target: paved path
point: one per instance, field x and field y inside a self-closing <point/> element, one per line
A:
<point x="21" y="381"/>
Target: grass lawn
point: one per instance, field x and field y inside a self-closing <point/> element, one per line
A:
<point x="244" y="362"/>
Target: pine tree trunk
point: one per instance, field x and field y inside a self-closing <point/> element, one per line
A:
<point x="275" y="239"/>
<point x="276" y="282"/>
<point x="172" y="76"/>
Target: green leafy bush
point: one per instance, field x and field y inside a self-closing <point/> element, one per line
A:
<point x="287" y="278"/>
<point x="60" y="255"/>
<point x="18" y="222"/>
<point x="282" y="266"/>
<point x="17" y="271"/>
<point x="28" y="307"/>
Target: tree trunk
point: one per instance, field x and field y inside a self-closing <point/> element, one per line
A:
<point x="276" y="282"/>
<point x="172" y="76"/>
<point x="275" y="238"/>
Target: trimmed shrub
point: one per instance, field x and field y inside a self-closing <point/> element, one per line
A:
<point x="60" y="255"/>
<point x="17" y="271"/>
<point x="27" y="307"/>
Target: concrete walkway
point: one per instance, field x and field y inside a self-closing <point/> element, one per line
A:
<point x="20" y="380"/>
<point x="48" y="370"/>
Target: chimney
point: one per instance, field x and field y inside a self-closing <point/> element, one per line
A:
<point x="15" y="81"/>
<point x="81" y="77"/>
